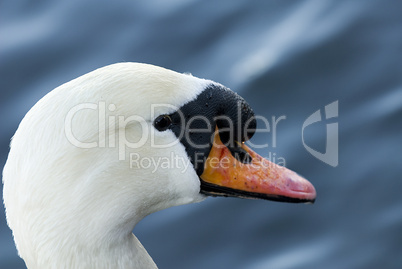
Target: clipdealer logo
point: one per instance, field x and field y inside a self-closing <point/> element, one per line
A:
<point x="111" y="132"/>
<point x="330" y="156"/>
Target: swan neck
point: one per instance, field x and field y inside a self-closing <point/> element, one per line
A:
<point x="127" y="253"/>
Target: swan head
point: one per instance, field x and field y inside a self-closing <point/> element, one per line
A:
<point x="99" y="153"/>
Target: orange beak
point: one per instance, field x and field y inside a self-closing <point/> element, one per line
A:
<point x="257" y="178"/>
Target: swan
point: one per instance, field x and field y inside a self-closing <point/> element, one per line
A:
<point x="85" y="164"/>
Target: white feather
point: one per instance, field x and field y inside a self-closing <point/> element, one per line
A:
<point x="71" y="207"/>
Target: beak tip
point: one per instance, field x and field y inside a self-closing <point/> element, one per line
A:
<point x="299" y="188"/>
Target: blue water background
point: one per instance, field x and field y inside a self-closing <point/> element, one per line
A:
<point x="287" y="58"/>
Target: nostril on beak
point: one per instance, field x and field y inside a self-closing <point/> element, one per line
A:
<point x="240" y="154"/>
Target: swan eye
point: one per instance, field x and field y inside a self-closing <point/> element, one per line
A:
<point x="162" y="122"/>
